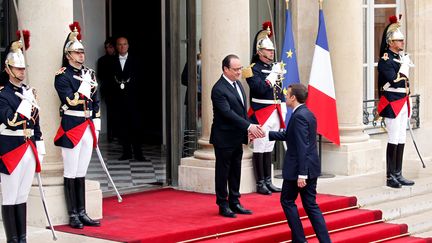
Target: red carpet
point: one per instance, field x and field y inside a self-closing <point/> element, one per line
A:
<point x="170" y="215"/>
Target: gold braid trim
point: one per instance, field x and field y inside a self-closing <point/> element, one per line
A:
<point x="400" y="78"/>
<point x="76" y="101"/>
<point x="14" y="123"/>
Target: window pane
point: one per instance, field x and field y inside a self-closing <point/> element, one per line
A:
<point x="381" y="21"/>
<point x="385" y="1"/>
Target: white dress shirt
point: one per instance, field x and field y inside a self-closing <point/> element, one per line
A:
<point x="123" y="60"/>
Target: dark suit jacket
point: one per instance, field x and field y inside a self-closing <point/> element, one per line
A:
<point x="230" y="122"/>
<point x="301" y="157"/>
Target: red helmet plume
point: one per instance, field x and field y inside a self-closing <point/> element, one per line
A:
<point x="268" y="24"/>
<point x="26" y="34"/>
<point x="78" y="28"/>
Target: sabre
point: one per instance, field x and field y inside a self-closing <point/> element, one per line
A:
<point x="119" y="198"/>
<point x="415" y="144"/>
<point x="42" y="194"/>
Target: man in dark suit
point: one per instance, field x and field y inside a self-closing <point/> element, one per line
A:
<point x="124" y="97"/>
<point x="229" y="131"/>
<point x="302" y="166"/>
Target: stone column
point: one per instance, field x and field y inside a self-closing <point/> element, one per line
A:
<point x="358" y="154"/>
<point x="225" y="27"/>
<point x="49" y="26"/>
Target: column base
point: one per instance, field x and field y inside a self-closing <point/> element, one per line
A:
<point x="56" y="204"/>
<point x="198" y="174"/>
<point x="352" y="158"/>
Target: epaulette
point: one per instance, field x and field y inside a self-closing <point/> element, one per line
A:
<point x="247" y="72"/>
<point x="385" y="57"/>
<point x="60" y="71"/>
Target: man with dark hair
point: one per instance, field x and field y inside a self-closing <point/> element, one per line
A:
<point x="302" y="166"/>
<point x="103" y="70"/>
<point x="394" y="106"/>
<point x="228" y="132"/>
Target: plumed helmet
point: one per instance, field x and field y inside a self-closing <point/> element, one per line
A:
<point x="15" y="56"/>
<point x="262" y="40"/>
<point x="391" y="33"/>
<point x="73" y="41"/>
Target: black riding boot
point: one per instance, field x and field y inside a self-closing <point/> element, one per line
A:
<point x="70" y="195"/>
<point x="21" y="221"/>
<point x="258" y="164"/>
<point x="83" y="217"/>
<point x="391" y="166"/>
<point x="267" y="173"/>
<point x="398" y="171"/>
<point x="9" y="223"/>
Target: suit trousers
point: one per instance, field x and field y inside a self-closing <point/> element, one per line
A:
<point x="289" y="194"/>
<point x="228" y="171"/>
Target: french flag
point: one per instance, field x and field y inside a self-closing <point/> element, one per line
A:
<point x="322" y="99"/>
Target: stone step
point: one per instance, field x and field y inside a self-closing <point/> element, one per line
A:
<point x="404" y="207"/>
<point x="385" y="194"/>
<point x="427" y="234"/>
<point x="418" y="223"/>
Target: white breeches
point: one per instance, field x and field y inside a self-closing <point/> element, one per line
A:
<point x="76" y="160"/>
<point x="16" y="186"/>
<point x="396" y="127"/>
<point x="263" y="145"/>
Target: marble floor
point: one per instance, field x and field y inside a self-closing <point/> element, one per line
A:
<point x="128" y="173"/>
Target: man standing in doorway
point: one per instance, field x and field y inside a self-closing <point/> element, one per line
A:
<point x="126" y="89"/>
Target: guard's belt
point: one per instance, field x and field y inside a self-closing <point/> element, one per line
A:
<point x="78" y="113"/>
<point x="387" y="88"/>
<point x="267" y="102"/>
<point x="18" y="133"/>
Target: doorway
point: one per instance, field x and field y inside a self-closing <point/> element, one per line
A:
<point x="127" y="19"/>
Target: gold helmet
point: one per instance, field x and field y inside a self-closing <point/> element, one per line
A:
<point x="263" y="37"/>
<point x="393" y="31"/>
<point x="15" y="57"/>
<point x="73" y="41"/>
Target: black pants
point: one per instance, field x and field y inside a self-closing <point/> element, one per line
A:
<point x="289" y="194"/>
<point x="228" y="170"/>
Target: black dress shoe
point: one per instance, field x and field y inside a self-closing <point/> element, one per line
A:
<point x="125" y="157"/>
<point x="74" y="222"/>
<point x="141" y="158"/>
<point x="226" y="212"/>
<point x="238" y="208"/>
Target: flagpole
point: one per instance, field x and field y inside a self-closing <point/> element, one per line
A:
<point x="287" y="4"/>
<point x="320" y="4"/>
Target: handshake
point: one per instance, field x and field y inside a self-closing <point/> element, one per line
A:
<point x="276" y="74"/>
<point x="255" y="131"/>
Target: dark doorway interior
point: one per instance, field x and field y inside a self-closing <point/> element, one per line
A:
<point x="129" y="19"/>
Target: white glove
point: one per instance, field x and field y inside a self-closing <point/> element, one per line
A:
<point x="29" y="94"/>
<point x="25" y="108"/>
<point x="40" y="146"/>
<point x="278" y="68"/>
<point x="284" y="110"/>
<point x="272" y="78"/>
<point x="406" y="63"/>
<point x="87" y="83"/>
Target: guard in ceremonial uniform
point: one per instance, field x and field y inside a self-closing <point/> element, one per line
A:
<point x="80" y="125"/>
<point x="394" y="105"/>
<point x="21" y="145"/>
<point x="267" y="105"/>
